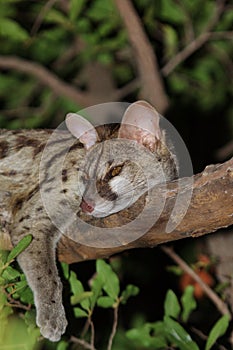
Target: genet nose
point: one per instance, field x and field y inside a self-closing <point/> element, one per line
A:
<point x="87" y="206"/>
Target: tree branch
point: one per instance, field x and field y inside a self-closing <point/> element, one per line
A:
<point x="152" y="88"/>
<point x="211" y="208"/>
<point x="49" y="79"/>
<point x="198" y="42"/>
<point x="220" y="305"/>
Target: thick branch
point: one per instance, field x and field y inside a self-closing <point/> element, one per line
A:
<point x="151" y="81"/>
<point x="49" y="79"/>
<point x="211" y="208"/>
<point x="104" y="89"/>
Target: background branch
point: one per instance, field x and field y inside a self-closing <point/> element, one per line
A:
<point x="152" y="88"/>
<point x="221" y="306"/>
<point x="196" y="43"/>
<point x="46" y="77"/>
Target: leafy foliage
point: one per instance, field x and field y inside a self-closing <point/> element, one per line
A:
<point x="170" y="332"/>
<point x="67" y="38"/>
<point x="105" y="292"/>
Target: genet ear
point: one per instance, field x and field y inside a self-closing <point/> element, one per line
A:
<point x="82" y="129"/>
<point x="141" y="123"/>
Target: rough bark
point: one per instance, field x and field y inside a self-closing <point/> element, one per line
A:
<point x="211" y="208"/>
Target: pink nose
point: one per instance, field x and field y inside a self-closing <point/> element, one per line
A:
<point x="87" y="207"/>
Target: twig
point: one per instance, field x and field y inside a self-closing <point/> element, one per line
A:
<point x="85" y="328"/>
<point x="202" y="336"/>
<point x="15" y="303"/>
<point x="49" y="4"/>
<point x="195" y="44"/>
<point x="152" y="84"/>
<point x="127" y="89"/>
<point x="114" y="328"/>
<point x="221" y="306"/>
<point x="92" y="333"/>
<point x="188" y="24"/>
<point x="58" y="86"/>
<point x="82" y="342"/>
<point x="199" y="333"/>
<point x="185" y="53"/>
<point x="228" y="35"/>
<point x="64" y="59"/>
<point x="225" y="151"/>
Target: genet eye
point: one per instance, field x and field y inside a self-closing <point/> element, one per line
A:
<point x="116" y="171"/>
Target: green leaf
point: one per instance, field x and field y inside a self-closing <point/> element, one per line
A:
<point x="105" y="58"/>
<point x="57" y="17"/>
<point x="78" y="312"/>
<point x="148" y="336"/>
<point x="23" y="291"/>
<point x="102" y="9"/>
<point x="22" y="245"/>
<point x="76" y="7"/>
<point x="130" y="291"/>
<point x="109" y="278"/>
<point x="66" y="270"/>
<point x="171" y="12"/>
<point x="217" y="331"/>
<point x="188" y="303"/>
<point x="171" y="305"/>
<point x="177" y="335"/>
<point x="18" y="336"/>
<point x="79" y="294"/>
<point x="176" y="270"/>
<point x="96" y="288"/>
<point x="75" y="285"/>
<point x="10" y="274"/>
<point x="79" y="298"/>
<point x="3" y="301"/>
<point x="30" y="318"/>
<point x="12" y="30"/>
<point x="105" y="302"/>
<point x="62" y="345"/>
<point x="3" y="253"/>
<point x="170" y="41"/>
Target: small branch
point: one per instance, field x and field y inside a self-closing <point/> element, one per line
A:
<point x="82" y="342"/>
<point x="188" y="24"/>
<point x="185" y="53"/>
<point x="207" y="209"/>
<point x="195" y="44"/>
<point x="221" y="306"/>
<point x="127" y="89"/>
<point x="151" y="82"/>
<point x="199" y="333"/>
<point x="225" y="151"/>
<point x="114" y="328"/>
<point x="15" y="303"/>
<point x="36" y="25"/>
<point x="45" y="76"/>
<point x="210" y="209"/>
<point x="227" y="35"/>
<point x="92" y="333"/>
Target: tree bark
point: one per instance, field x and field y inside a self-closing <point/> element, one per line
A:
<point x="211" y="208"/>
<point x="152" y="86"/>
